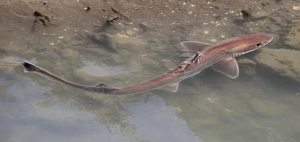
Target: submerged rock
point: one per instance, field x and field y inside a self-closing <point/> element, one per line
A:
<point x="284" y="62"/>
<point x="68" y="52"/>
<point x="115" y="42"/>
<point x="135" y="66"/>
<point x="292" y="38"/>
<point x="248" y="66"/>
<point x="268" y="107"/>
<point x="149" y="62"/>
<point x="258" y="15"/>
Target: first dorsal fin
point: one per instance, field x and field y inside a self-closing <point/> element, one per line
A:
<point x="195" y="45"/>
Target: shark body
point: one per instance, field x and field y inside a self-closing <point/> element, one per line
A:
<point x="221" y="57"/>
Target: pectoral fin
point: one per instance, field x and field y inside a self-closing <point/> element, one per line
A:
<point x="195" y="45"/>
<point x="229" y="67"/>
<point x="172" y="87"/>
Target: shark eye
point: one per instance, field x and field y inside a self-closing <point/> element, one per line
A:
<point x="259" y="44"/>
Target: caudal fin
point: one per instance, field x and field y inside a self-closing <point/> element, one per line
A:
<point x="29" y="67"/>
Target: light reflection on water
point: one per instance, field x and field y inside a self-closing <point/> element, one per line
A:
<point x="239" y="110"/>
<point x="150" y="117"/>
<point x="102" y="70"/>
<point x="25" y="117"/>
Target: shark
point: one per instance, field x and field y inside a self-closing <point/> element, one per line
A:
<point x="220" y="56"/>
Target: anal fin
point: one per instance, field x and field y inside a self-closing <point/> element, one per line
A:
<point x="171" y="88"/>
<point x="104" y="86"/>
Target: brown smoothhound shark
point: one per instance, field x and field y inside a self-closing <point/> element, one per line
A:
<point x="221" y="57"/>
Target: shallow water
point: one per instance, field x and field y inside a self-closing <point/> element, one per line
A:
<point x="262" y="106"/>
<point x="209" y="107"/>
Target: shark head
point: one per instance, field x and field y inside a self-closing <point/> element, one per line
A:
<point x="248" y="43"/>
<point x="234" y="47"/>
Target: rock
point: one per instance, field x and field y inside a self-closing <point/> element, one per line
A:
<point x="134" y="31"/>
<point x="149" y="62"/>
<point x="268" y="107"/>
<point x="292" y="38"/>
<point x="117" y="58"/>
<point x="277" y="20"/>
<point x="274" y="28"/>
<point x="135" y="66"/>
<point x="175" y="40"/>
<point x="284" y="62"/>
<point x="68" y="52"/>
<point x="258" y="15"/>
<point x="155" y="40"/>
<point x="112" y="18"/>
<point x="114" y="42"/>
